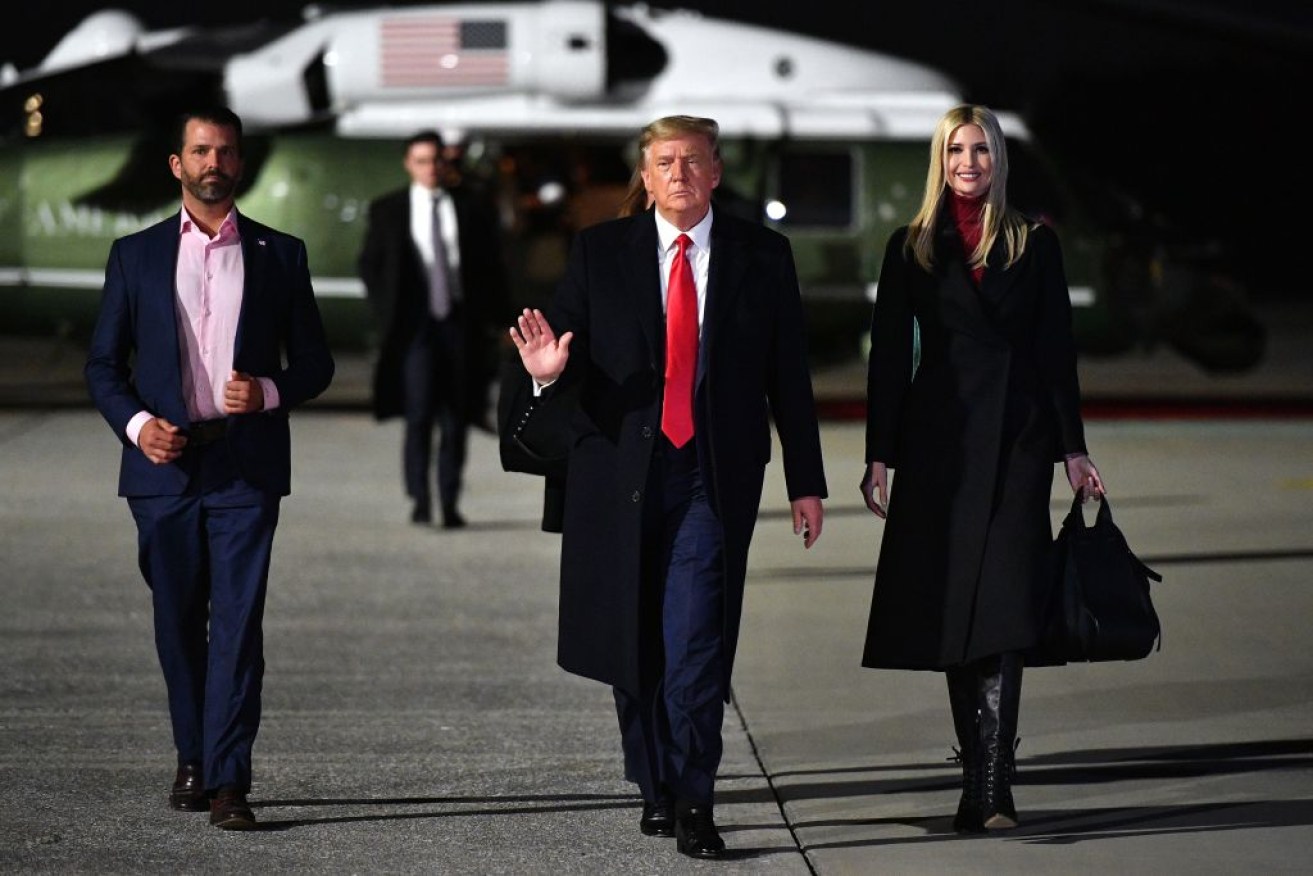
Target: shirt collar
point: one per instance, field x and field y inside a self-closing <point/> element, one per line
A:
<point x="700" y="234"/>
<point x="425" y="196"/>
<point x="227" y="228"/>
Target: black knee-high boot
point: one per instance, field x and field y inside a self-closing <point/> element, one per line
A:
<point x="963" y="698"/>
<point x="1000" y="700"/>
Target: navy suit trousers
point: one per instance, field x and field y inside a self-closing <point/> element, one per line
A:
<point x="434" y="393"/>
<point x="670" y="733"/>
<point x="205" y="556"/>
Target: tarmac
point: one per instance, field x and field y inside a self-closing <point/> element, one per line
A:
<point x="415" y="720"/>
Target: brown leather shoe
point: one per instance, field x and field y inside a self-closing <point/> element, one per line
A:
<point x="230" y="811"/>
<point x="188" y="792"/>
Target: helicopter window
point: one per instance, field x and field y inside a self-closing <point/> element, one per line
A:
<point x="815" y="190"/>
<point x="315" y="78"/>
<point x="633" y="57"/>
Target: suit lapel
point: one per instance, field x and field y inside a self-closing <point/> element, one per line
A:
<point x="254" y="252"/>
<point x="160" y="281"/>
<point x="724" y="283"/>
<point x="996" y="283"/>
<point x="959" y="288"/>
<point x="642" y="270"/>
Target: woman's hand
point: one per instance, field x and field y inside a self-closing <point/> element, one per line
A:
<point x="1084" y="477"/>
<point x="875" y="488"/>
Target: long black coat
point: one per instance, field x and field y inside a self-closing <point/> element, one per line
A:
<point x="752" y="369"/>
<point x="396" y="283"/>
<point x="973" y="437"/>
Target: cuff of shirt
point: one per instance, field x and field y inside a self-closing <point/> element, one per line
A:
<point x="270" y="392"/>
<point x="133" y="430"/>
<point x="539" y="387"/>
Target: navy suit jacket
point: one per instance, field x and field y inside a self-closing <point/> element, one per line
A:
<point x="134" y="363"/>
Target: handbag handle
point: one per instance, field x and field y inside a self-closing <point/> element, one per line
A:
<point x="1076" y="518"/>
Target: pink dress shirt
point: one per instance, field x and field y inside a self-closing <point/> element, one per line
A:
<point x="208" y="284"/>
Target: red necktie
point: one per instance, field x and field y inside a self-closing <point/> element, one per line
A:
<point x="681" y="347"/>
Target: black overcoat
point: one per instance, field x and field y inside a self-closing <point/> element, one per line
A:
<point x="752" y="368"/>
<point x="396" y="284"/>
<point x="973" y="436"/>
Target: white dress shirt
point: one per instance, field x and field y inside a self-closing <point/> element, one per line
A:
<point x="421" y="230"/>
<point x="698" y="252"/>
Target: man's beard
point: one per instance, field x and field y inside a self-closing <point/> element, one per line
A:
<point x="212" y="188"/>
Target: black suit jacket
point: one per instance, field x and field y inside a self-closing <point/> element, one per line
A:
<point x="396" y="284"/>
<point x="753" y="369"/>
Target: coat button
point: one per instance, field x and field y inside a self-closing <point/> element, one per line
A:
<point x="647" y="431"/>
<point x="636" y="496"/>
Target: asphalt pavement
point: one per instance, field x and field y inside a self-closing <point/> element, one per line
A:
<point x="415" y="720"/>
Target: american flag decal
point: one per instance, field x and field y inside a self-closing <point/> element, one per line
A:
<point x="442" y="51"/>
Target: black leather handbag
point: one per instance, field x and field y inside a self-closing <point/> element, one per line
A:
<point x="1098" y="605"/>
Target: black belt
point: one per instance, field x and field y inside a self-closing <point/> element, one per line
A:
<point x="206" y="432"/>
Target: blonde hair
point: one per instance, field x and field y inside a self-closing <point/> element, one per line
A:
<point x="636" y="198"/>
<point x="665" y="128"/>
<point x="997" y="219"/>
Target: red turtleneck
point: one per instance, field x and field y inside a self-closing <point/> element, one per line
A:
<point x="968" y="216"/>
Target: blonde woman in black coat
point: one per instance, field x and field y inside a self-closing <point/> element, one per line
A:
<point x="973" y="428"/>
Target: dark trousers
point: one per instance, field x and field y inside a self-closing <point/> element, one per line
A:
<point x="205" y="556"/>
<point x="670" y="730"/>
<point x="434" y="393"/>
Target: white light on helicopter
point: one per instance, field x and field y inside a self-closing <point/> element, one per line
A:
<point x="330" y="58"/>
<point x="776" y="210"/>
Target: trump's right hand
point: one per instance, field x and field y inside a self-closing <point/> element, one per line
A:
<point x="541" y="352"/>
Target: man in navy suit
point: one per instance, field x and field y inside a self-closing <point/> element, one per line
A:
<point x="674" y="340"/>
<point x="208" y="335"/>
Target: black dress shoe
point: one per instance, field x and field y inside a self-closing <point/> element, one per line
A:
<point x="452" y="519"/>
<point x="658" y="818"/>
<point x="230" y="811"/>
<point x="421" y="513"/>
<point x="188" y="791"/>
<point x="696" y="834"/>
